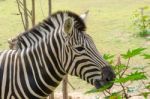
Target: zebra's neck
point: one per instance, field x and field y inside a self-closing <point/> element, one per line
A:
<point x="45" y="65"/>
<point x="43" y="45"/>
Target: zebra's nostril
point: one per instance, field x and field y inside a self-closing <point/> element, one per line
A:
<point x="108" y="74"/>
<point x="107" y="79"/>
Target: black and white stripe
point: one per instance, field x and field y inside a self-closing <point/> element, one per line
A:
<point x="45" y="54"/>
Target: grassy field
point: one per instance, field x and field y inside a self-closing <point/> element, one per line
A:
<point x="109" y="23"/>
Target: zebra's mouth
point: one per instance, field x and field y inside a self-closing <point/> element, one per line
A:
<point x="102" y="84"/>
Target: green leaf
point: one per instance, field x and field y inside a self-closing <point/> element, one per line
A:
<point x="147" y="86"/>
<point x="145" y="7"/>
<point x="108" y="56"/>
<point x="132" y="77"/>
<point x="146" y="56"/>
<point x="114" y="96"/>
<point x="145" y="94"/>
<point x="94" y="90"/>
<point x="120" y="68"/>
<point x="145" y="17"/>
<point x="132" y="53"/>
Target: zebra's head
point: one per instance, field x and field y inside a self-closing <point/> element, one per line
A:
<point x="82" y="58"/>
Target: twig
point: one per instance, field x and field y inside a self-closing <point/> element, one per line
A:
<point x="108" y="91"/>
<point x="104" y="94"/>
<point x="20" y="13"/>
<point x="124" y="91"/>
<point x="127" y="66"/>
<point x="120" y="75"/>
<point x="29" y="13"/>
<point x="71" y="85"/>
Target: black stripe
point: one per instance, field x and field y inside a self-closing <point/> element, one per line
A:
<point x="46" y="77"/>
<point x="2" y="71"/>
<point x="22" y="78"/>
<point x="8" y="75"/>
<point x="32" y="79"/>
<point x="49" y="22"/>
<point x="85" y="66"/>
<point x="16" y="82"/>
<point x="40" y="83"/>
<point x="37" y="32"/>
<point x="56" y="64"/>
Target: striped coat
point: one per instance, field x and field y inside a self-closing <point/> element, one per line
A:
<point x="44" y="54"/>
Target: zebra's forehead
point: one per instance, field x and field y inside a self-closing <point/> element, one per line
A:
<point x="88" y="37"/>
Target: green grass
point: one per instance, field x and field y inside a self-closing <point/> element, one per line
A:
<point x="109" y="23"/>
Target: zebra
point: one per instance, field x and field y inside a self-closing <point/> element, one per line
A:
<point x="46" y="53"/>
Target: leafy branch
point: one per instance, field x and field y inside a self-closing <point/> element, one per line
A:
<point x="126" y="75"/>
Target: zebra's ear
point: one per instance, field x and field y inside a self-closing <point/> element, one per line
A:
<point x="68" y="26"/>
<point x="85" y="15"/>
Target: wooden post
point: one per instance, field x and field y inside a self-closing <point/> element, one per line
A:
<point x="51" y="96"/>
<point x="26" y="15"/>
<point x="49" y="7"/>
<point x="33" y="12"/>
<point x="64" y="88"/>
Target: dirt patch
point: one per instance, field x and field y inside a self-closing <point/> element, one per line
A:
<point x="75" y="95"/>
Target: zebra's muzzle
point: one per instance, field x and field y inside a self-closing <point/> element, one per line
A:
<point x="108" y="76"/>
<point x="99" y="84"/>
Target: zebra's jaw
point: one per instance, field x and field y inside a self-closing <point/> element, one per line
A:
<point x="100" y="83"/>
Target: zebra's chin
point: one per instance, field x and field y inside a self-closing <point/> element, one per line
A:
<point x="102" y="84"/>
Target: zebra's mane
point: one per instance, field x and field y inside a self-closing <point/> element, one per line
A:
<point x="79" y="24"/>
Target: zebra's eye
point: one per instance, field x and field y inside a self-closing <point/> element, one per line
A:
<point x="80" y="48"/>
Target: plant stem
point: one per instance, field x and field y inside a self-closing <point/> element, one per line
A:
<point x="108" y="91"/>
<point x="104" y="94"/>
<point x="120" y="75"/>
<point x="127" y="66"/>
<point x="124" y="91"/>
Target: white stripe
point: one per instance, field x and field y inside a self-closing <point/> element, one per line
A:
<point x="14" y="76"/>
<point x="30" y="62"/>
<point x="26" y="76"/>
<point x="5" y="76"/>
<point x="49" y="73"/>
<point x="48" y="86"/>
<point x="1" y="56"/>
<point x="10" y="73"/>
<point x="19" y="80"/>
